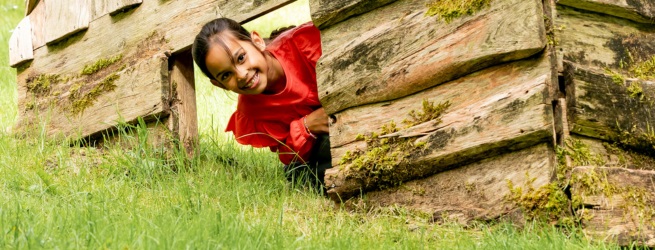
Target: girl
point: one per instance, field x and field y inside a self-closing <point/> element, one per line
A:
<point x="278" y="103"/>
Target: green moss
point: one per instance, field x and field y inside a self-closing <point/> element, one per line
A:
<point x="42" y="84"/>
<point x="100" y="64"/>
<point x="383" y="163"/>
<point x="644" y="70"/>
<point x="81" y="102"/>
<point x="635" y="90"/>
<point x="448" y="10"/>
<point x="548" y="202"/>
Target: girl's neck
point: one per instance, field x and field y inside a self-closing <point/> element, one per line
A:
<point x="277" y="80"/>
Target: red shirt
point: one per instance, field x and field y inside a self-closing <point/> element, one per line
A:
<point x="276" y="121"/>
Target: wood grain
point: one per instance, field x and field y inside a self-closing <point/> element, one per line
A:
<point x="111" y="7"/>
<point x="37" y="19"/>
<point x="395" y="50"/>
<point x="601" y="108"/>
<point x="30" y="5"/>
<point x="20" y="43"/>
<point x="64" y="18"/>
<point x="600" y="42"/>
<point x="184" y="122"/>
<point x="471" y="192"/>
<point x="148" y="32"/>
<point x="499" y="109"/>
<point x="326" y="13"/>
<point x="619" y="205"/>
<point x="636" y="10"/>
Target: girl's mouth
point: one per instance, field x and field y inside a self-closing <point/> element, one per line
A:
<point x="254" y="81"/>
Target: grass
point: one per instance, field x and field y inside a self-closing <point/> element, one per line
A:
<point x="55" y="196"/>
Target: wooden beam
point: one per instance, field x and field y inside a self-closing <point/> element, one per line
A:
<point x="184" y="122"/>
<point x="600" y="107"/>
<point x="20" y="43"/>
<point x="64" y="18"/>
<point x="143" y="39"/>
<point x="476" y="191"/>
<point x="636" y="10"/>
<point x="616" y="204"/>
<point x="499" y="109"/>
<point x="600" y="42"/>
<point x="326" y="13"/>
<point x="37" y="19"/>
<point x="397" y="50"/>
<point x="103" y="7"/>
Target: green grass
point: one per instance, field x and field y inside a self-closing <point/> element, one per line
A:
<point x="54" y="196"/>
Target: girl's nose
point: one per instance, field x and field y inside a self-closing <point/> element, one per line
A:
<point x="242" y="72"/>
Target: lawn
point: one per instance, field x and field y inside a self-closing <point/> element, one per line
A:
<point x="57" y="196"/>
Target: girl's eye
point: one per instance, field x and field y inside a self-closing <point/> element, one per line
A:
<point x="241" y="57"/>
<point x="225" y="76"/>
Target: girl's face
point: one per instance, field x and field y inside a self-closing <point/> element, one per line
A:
<point x="245" y="71"/>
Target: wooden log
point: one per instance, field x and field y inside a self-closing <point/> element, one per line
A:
<point x="20" y="43"/>
<point x="326" y="13"/>
<point x="636" y="10"/>
<point x="396" y="50"/>
<point x="184" y="118"/>
<point x="37" y="19"/>
<point x="604" y="107"/>
<point x="477" y="191"/>
<point x="151" y="30"/>
<point x="616" y="204"/>
<point x="111" y="7"/>
<point x="501" y="108"/>
<point x="602" y="42"/>
<point x="64" y="18"/>
<point x="612" y="155"/>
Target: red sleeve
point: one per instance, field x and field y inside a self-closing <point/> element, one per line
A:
<point x="290" y="141"/>
<point x="307" y="39"/>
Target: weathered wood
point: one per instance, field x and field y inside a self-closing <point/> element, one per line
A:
<point x="396" y="50"/>
<point x="501" y="108"/>
<point x="37" y="19"/>
<point x="184" y="119"/>
<point x="600" y="107"/>
<point x="111" y="7"/>
<point x="637" y="10"/>
<point x="64" y="18"/>
<point x="326" y="13"/>
<point x="30" y="5"/>
<point x="603" y="42"/>
<point x="613" y="155"/>
<point x="150" y="30"/>
<point x="616" y="204"/>
<point x="474" y="191"/>
<point x="20" y="43"/>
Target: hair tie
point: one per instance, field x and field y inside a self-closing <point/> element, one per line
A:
<point x="304" y="122"/>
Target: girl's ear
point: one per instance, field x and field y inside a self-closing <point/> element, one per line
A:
<point x="258" y="41"/>
<point x="217" y="84"/>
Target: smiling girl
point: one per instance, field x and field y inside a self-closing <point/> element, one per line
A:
<point x="278" y="103"/>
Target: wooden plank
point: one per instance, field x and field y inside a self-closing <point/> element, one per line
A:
<point x="499" y="109"/>
<point x="600" y="42"/>
<point x="380" y="62"/>
<point x="612" y="155"/>
<point x="602" y="108"/>
<point x="30" y="5"/>
<point x="476" y="191"/>
<point x="20" y="43"/>
<point x="103" y="7"/>
<point x="184" y="122"/>
<point x="64" y="18"/>
<point x="617" y="204"/>
<point x="149" y="31"/>
<point x="37" y="19"/>
<point x="326" y="13"/>
<point x="636" y="10"/>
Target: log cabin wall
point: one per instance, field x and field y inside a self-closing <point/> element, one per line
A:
<point x="526" y="94"/>
<point x="85" y="65"/>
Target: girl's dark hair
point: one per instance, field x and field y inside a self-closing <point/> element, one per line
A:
<point x="209" y="35"/>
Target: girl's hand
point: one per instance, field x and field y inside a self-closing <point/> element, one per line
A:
<point x="317" y="122"/>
